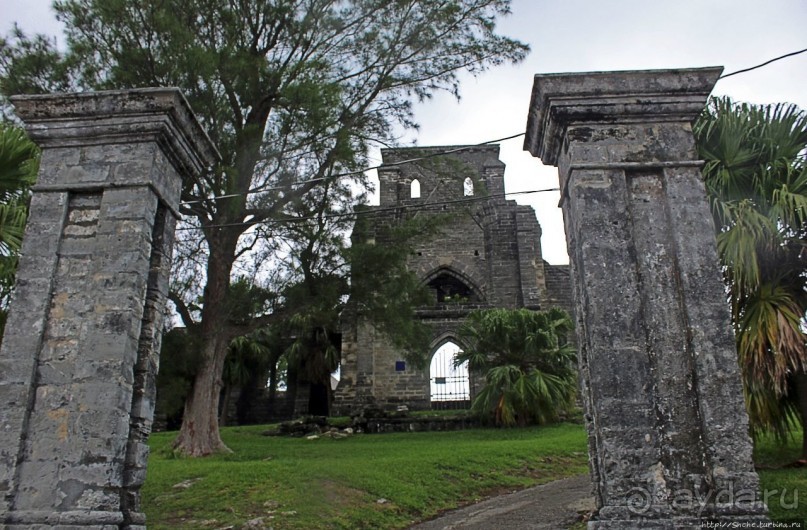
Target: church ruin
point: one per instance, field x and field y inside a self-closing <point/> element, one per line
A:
<point x="487" y="254"/>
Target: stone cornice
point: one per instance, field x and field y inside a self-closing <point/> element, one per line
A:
<point x="560" y="100"/>
<point x="160" y="115"/>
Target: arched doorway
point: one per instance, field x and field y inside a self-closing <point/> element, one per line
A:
<point x="450" y="385"/>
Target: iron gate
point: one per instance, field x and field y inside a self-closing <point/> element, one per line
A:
<point x="450" y="386"/>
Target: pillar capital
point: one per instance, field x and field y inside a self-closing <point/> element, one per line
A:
<point x="632" y="97"/>
<point x="159" y="115"/>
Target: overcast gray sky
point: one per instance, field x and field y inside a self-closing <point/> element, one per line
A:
<point x="589" y="35"/>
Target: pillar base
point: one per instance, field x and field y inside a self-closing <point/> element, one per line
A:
<point x="746" y="512"/>
<point x="74" y="520"/>
<point x="64" y="527"/>
<point x="679" y="523"/>
<point x="95" y="519"/>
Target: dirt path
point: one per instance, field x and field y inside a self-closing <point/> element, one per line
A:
<point x="554" y="505"/>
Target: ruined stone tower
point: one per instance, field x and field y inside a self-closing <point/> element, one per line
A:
<point x="487" y="254"/>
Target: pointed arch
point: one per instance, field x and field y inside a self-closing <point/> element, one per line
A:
<point x="414" y="189"/>
<point x="449" y="384"/>
<point x="445" y="338"/>
<point x="450" y="284"/>
<point x="468" y="187"/>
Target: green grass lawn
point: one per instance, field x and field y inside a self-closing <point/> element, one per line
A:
<point x="328" y="483"/>
<point x="785" y="488"/>
<point x="387" y="480"/>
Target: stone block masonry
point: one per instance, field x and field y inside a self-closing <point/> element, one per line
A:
<point x="79" y="357"/>
<point x="668" y="433"/>
<point x="486" y="254"/>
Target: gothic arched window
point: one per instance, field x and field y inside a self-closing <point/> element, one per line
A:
<point x="468" y="187"/>
<point x="448" y="288"/>
<point x="414" y="189"/>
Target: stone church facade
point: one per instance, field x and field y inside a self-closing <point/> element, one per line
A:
<point x="486" y="254"/>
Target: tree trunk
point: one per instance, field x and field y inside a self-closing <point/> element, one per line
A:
<point x="318" y="399"/>
<point x="199" y="435"/>
<point x="225" y="405"/>
<point x="273" y="389"/>
<point x="292" y="388"/>
<point x="801" y="396"/>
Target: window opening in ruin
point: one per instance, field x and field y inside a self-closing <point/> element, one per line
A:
<point x="414" y="189"/>
<point x="450" y="385"/>
<point x="468" y="187"/>
<point x="336" y="376"/>
<point x="281" y="377"/>
<point x="451" y="290"/>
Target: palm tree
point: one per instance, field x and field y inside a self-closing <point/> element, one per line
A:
<point x="18" y="167"/>
<point x="248" y="363"/>
<point x="756" y="178"/>
<point x="530" y="370"/>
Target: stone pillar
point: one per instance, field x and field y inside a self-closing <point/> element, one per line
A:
<point x="80" y="353"/>
<point x="668" y="432"/>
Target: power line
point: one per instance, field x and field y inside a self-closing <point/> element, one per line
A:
<point x="766" y="63"/>
<point x="374" y="211"/>
<point x="260" y="189"/>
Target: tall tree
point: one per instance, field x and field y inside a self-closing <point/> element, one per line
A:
<point x="529" y="368"/>
<point x="332" y="285"/>
<point x="317" y="275"/>
<point x="756" y="177"/>
<point x="293" y="92"/>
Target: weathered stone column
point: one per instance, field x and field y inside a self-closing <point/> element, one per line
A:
<point x="80" y="352"/>
<point x="668" y="432"/>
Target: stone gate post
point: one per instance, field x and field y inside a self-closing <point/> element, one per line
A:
<point x="80" y="352"/>
<point x="668" y="432"/>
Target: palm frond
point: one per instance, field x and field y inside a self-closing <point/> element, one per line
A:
<point x="530" y="372"/>
<point x="18" y="161"/>
<point x="756" y="177"/>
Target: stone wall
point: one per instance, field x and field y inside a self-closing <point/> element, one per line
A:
<point x="486" y="244"/>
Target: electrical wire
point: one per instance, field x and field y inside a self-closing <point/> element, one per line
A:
<point x="766" y="63"/>
<point x="376" y="210"/>
<point x="260" y="189"/>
